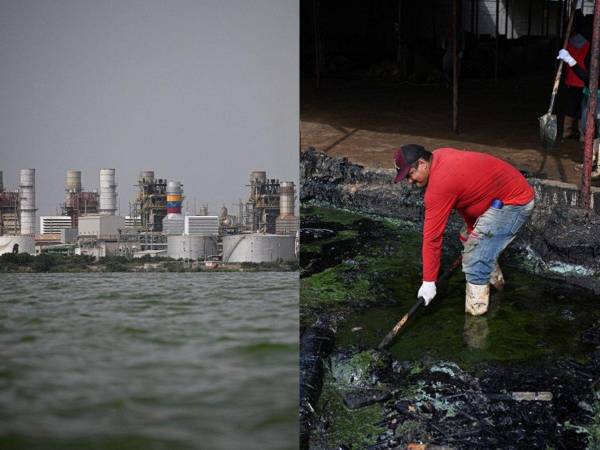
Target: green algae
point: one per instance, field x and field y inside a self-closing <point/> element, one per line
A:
<point x="356" y="370"/>
<point x="381" y="254"/>
<point x="361" y="426"/>
<point x="375" y="283"/>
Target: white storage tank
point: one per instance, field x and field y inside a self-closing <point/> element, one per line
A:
<point x="191" y="247"/>
<point x="17" y="244"/>
<point x="258" y="248"/>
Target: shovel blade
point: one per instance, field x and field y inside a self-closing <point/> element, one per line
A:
<point x="548" y="130"/>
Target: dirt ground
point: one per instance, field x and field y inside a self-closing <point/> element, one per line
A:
<point x="365" y="121"/>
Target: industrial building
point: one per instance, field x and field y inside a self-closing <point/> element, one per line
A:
<point x="54" y="224"/>
<point x="77" y="201"/>
<point x="264" y="231"/>
<point x="9" y="211"/>
<point x="151" y="201"/>
<point x="17" y="208"/>
<point x="201" y="225"/>
<point x="262" y="207"/>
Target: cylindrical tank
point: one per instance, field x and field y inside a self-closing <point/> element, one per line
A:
<point x="17" y="244"/>
<point x="27" y="201"/>
<point x="73" y="181"/>
<point x="174" y="197"/>
<point x="191" y="247"/>
<point x="258" y="248"/>
<point x="258" y="177"/>
<point x="286" y="199"/>
<point x="108" y="192"/>
<point x="147" y="176"/>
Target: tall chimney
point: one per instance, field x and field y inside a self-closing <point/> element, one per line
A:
<point x="108" y="192"/>
<point x="286" y="198"/>
<point x="73" y="181"/>
<point x="27" y="201"/>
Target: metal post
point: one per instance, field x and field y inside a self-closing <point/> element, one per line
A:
<point x="455" y="67"/>
<point x="317" y="53"/>
<point x="506" y="18"/>
<point x="590" y="128"/>
<point x="477" y="18"/>
<point x="497" y="46"/>
<point x="529" y="10"/>
<point x="547" y="18"/>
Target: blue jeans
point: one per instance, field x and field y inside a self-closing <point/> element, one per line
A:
<point x="493" y="231"/>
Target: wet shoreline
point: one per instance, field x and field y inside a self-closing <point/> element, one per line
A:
<point x="452" y="384"/>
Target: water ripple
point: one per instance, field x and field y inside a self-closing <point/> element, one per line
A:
<point x="149" y="360"/>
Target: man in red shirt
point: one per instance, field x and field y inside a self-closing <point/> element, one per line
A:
<point x="494" y="200"/>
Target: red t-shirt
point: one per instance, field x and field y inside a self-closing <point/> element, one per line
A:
<point x="468" y="182"/>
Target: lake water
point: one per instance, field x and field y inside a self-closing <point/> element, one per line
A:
<point x="149" y="361"/>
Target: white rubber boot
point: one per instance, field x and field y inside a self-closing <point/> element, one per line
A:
<point x="595" y="158"/>
<point x="477" y="299"/>
<point x="496" y="278"/>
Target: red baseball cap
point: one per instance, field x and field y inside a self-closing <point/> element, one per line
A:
<point x="405" y="157"/>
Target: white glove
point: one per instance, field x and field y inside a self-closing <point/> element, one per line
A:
<point x="566" y="57"/>
<point x="427" y="291"/>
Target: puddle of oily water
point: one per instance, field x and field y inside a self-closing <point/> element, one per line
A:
<point x="531" y="318"/>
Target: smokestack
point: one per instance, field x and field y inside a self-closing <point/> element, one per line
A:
<point x="286" y="199"/>
<point x="108" y="192"/>
<point x="73" y="181"/>
<point x="173" y="224"/>
<point x="174" y="197"/>
<point x="147" y="176"/>
<point x="27" y="201"/>
<point x="1" y="182"/>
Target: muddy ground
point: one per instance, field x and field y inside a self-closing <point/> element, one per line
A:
<point x="365" y="119"/>
<point x="524" y="376"/>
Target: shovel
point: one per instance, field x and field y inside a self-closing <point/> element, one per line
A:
<point x="420" y="301"/>
<point x="548" y="125"/>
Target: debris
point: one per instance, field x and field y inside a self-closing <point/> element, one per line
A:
<point x="365" y="397"/>
<point x="542" y="396"/>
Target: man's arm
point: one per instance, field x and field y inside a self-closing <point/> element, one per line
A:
<point x="437" y="211"/>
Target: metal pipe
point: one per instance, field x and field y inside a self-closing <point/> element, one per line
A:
<point x="590" y="128"/>
<point x="455" y="67"/>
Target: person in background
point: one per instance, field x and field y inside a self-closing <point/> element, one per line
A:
<point x="581" y="71"/>
<point x="579" y="47"/>
<point x="494" y="200"/>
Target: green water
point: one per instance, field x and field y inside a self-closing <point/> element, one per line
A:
<point x="531" y="318"/>
<point x="367" y="278"/>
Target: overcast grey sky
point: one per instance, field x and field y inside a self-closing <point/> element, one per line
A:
<point x="201" y="91"/>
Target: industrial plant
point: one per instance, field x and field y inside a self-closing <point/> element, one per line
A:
<point x="264" y="231"/>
